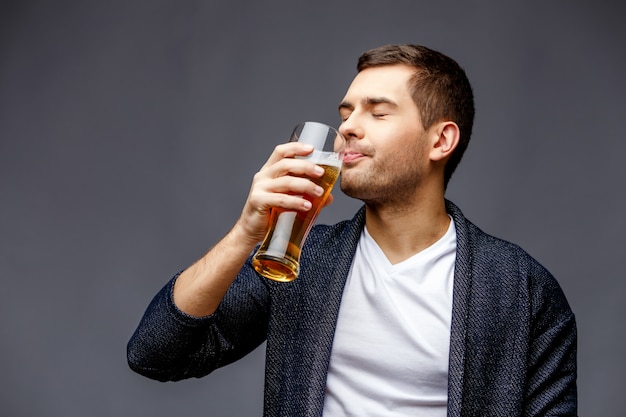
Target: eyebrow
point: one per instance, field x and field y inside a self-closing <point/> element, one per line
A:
<point x="368" y="101"/>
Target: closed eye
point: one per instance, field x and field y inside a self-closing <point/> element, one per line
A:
<point x="345" y="110"/>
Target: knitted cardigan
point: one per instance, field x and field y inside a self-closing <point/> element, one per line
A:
<point x="512" y="345"/>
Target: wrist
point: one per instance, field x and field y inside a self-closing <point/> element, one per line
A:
<point x="241" y="236"/>
<point x="247" y="231"/>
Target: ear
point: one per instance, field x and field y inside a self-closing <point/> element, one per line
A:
<point x="445" y="140"/>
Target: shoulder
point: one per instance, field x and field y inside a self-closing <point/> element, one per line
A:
<point x="498" y="263"/>
<point x="482" y="248"/>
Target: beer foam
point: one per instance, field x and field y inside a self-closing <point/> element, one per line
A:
<point x="324" y="158"/>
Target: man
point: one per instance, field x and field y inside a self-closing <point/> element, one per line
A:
<point x="408" y="308"/>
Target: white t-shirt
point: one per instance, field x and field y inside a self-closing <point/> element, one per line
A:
<point x="391" y="346"/>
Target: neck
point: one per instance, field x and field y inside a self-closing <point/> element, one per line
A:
<point x="401" y="232"/>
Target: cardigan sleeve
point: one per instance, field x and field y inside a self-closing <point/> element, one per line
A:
<point x="551" y="381"/>
<point x="170" y="345"/>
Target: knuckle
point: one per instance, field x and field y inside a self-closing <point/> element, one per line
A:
<point x="283" y="201"/>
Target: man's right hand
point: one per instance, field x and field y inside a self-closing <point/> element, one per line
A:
<point x="281" y="182"/>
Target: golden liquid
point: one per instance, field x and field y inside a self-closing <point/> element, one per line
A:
<point x="279" y="255"/>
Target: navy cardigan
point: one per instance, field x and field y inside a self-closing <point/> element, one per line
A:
<point x="513" y="334"/>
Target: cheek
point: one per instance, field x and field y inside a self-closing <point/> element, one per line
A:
<point x="406" y="146"/>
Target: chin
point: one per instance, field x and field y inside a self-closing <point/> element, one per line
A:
<point x="359" y="190"/>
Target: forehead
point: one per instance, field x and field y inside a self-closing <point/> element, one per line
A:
<point x="390" y="81"/>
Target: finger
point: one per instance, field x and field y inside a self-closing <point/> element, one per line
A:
<point x="287" y="166"/>
<point x="288" y="150"/>
<point x="285" y="192"/>
<point x="288" y="185"/>
<point x="288" y="202"/>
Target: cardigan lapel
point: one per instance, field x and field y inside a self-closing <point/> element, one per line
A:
<point x="320" y="289"/>
<point x="460" y="312"/>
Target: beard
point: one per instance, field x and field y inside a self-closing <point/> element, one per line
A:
<point x="383" y="183"/>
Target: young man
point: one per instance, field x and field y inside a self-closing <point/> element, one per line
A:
<point x="408" y="308"/>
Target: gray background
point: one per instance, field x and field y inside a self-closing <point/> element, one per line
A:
<point x="130" y="130"/>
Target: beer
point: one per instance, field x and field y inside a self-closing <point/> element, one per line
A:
<point x="278" y="258"/>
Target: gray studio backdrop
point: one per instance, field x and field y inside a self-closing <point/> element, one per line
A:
<point x="130" y="131"/>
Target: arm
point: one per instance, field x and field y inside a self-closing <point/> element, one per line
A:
<point x="551" y="384"/>
<point x="216" y="310"/>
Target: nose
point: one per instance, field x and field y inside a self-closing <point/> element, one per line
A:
<point x="350" y="128"/>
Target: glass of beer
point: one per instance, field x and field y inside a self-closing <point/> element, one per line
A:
<point x="278" y="257"/>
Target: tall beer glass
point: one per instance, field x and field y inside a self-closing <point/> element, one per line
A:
<point x="278" y="257"/>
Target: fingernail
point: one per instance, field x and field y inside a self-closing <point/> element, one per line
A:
<point x="307" y="204"/>
<point x="319" y="170"/>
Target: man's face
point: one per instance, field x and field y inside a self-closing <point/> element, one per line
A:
<point x="386" y="151"/>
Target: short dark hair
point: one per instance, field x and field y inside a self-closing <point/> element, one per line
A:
<point x="440" y="89"/>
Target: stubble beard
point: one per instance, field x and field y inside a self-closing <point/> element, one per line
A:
<point x="390" y="185"/>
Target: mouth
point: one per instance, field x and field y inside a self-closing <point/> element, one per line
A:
<point x="350" y="157"/>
